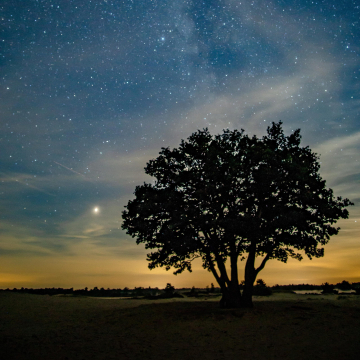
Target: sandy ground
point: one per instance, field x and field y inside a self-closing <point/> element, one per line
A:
<point x="282" y="326"/>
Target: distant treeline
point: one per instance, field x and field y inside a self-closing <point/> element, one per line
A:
<point x="169" y="290"/>
<point x="344" y="285"/>
<point x="126" y="292"/>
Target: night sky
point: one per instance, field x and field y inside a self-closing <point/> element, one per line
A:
<point x="91" y="90"/>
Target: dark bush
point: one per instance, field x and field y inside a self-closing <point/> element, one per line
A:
<point x="328" y="289"/>
<point x="260" y="289"/>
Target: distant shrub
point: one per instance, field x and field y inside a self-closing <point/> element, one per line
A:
<point x="260" y="282"/>
<point x="169" y="289"/>
<point x="328" y="289"/>
<point x="344" y="285"/>
<point x="260" y="289"/>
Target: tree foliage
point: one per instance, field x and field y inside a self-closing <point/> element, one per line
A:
<point x="234" y="197"/>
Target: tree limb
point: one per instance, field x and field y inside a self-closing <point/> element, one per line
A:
<point x="262" y="265"/>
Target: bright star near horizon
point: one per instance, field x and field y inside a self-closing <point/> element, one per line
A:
<point x="96" y="210"/>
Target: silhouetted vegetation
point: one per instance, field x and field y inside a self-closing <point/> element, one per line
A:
<point x="328" y="289"/>
<point x="260" y="289"/>
<point x="344" y="285"/>
<point x="192" y="292"/>
<point x="167" y="293"/>
<point x="293" y="287"/>
<point x="95" y="292"/>
<point x="169" y="289"/>
<point x="232" y="197"/>
<point x="325" y="288"/>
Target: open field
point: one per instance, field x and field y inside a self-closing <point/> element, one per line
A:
<point x="282" y="326"/>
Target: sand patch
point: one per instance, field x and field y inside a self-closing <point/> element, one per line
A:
<point x="282" y="326"/>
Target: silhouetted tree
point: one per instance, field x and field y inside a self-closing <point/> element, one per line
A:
<point x="327" y="288"/>
<point x="193" y="292"/>
<point x="260" y="282"/>
<point x="139" y="291"/>
<point x="169" y="289"/>
<point x="232" y="197"/>
<point x="344" y="285"/>
<point x="261" y="289"/>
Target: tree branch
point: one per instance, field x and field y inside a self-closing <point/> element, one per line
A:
<point x="214" y="272"/>
<point x="218" y="259"/>
<point x="262" y="265"/>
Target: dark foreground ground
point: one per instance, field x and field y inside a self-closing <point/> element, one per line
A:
<point x="284" y="326"/>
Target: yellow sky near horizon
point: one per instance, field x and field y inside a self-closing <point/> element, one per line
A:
<point x="87" y="267"/>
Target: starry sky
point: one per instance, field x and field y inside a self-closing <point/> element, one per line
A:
<point x="91" y="90"/>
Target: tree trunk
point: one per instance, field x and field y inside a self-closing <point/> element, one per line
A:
<point x="246" y="298"/>
<point x="250" y="275"/>
<point x="231" y="297"/>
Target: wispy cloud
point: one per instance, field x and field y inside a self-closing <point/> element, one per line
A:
<point x="340" y="164"/>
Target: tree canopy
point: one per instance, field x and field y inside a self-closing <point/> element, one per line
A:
<point x="232" y="197"/>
